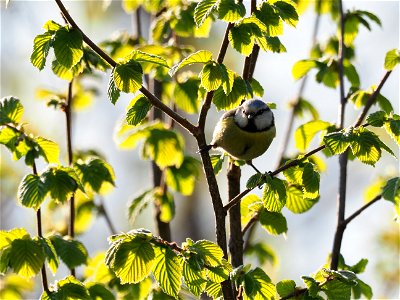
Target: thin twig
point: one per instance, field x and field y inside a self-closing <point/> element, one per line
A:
<point x="343" y="158"/>
<point x="249" y="224"/>
<point x="359" y="211"/>
<point x="102" y="210"/>
<point x="40" y="234"/>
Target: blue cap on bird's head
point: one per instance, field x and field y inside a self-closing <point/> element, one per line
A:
<point x="254" y="105"/>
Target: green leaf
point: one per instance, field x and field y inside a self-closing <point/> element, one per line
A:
<point x="392" y="59"/>
<point x="72" y="252"/>
<point x="128" y="77"/>
<point x="220" y="273"/>
<point x="50" y="253"/>
<point x="95" y="173"/>
<point x="98" y="291"/>
<point x="140" y="56"/>
<point x="31" y="191"/>
<point x="214" y="290"/>
<point x="269" y="15"/>
<point x="166" y="202"/>
<point x="211" y="76"/>
<point x="49" y="150"/>
<point x="167" y="271"/>
<point x="11" y="110"/>
<point x="195" y="280"/>
<point x="274" y="194"/>
<point x="296" y="202"/>
<point x="351" y="73"/>
<point x="285" y="287"/>
<point x="242" y="37"/>
<point x="137" y="110"/>
<point x="131" y="260"/>
<point x="263" y="253"/>
<point x="139" y="203"/>
<point x="287" y="12"/>
<point x="304" y="106"/>
<point x="377" y="119"/>
<point x="306" y="132"/>
<point x="255" y="180"/>
<point x="7" y="237"/>
<point x="249" y="206"/>
<point x="362" y="289"/>
<point x="210" y="252"/>
<point x="165" y="147"/>
<point x="337" y="290"/>
<point x="391" y="190"/>
<point x="217" y="161"/>
<point x="68" y="47"/>
<point x="392" y="127"/>
<point x="257" y="285"/>
<point x="360" y="266"/>
<point x="183" y="179"/>
<point x="312" y="286"/>
<point x="113" y="92"/>
<point x="233" y="99"/>
<point x="67" y="288"/>
<point x="61" y="183"/>
<point x="230" y="10"/>
<point x="337" y="142"/>
<point x="41" y="47"/>
<point x="67" y="73"/>
<point x="26" y="257"/>
<point x="384" y="103"/>
<point x="257" y="88"/>
<point x="199" y="57"/>
<point x="302" y="67"/>
<point x="271" y="43"/>
<point x="273" y="222"/>
<point x="310" y="181"/>
<point x="186" y="95"/>
<point x="51" y="26"/>
<point x="203" y="9"/>
<point x="366" y="146"/>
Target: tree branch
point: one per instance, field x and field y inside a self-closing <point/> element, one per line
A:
<point x="153" y="99"/>
<point x="359" y="211"/>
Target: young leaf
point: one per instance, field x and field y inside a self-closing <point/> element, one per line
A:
<point x="98" y="291"/>
<point x="310" y="181"/>
<point x="377" y="119"/>
<point x="186" y="95"/>
<point x="51" y="26"/>
<point x="287" y="12"/>
<point x="67" y="73"/>
<point x="230" y="10"/>
<point x="213" y="290"/>
<point x="210" y="252"/>
<point x="304" y="106"/>
<point x="220" y="273"/>
<point x="285" y="287"/>
<point x="306" y="132"/>
<point x="199" y="57"/>
<point x="41" y="47"/>
<point x="131" y="260"/>
<point x="337" y="290"/>
<point x="138" y="204"/>
<point x="263" y="252"/>
<point x="296" y="202"/>
<point x="257" y="285"/>
<point x="242" y="37"/>
<point x="68" y="47"/>
<point x="337" y="142"/>
<point x="137" y="110"/>
<point x="302" y="67"/>
<point x="391" y="191"/>
<point x="269" y="15"/>
<point x="273" y="222"/>
<point x="167" y="271"/>
<point x="312" y="285"/>
<point x="166" y="203"/>
<point x="217" y="161"/>
<point x="211" y="76"/>
<point x="49" y="150"/>
<point x="128" y="77"/>
<point x="31" y="191"/>
<point x="72" y="252"/>
<point x="50" y="253"/>
<point x="67" y="288"/>
<point x="141" y="56"/>
<point x="255" y="180"/>
<point x="203" y="9"/>
<point x="392" y="127"/>
<point x="392" y="59"/>
<point x="233" y="99"/>
<point x="112" y="91"/>
<point x="11" y="110"/>
<point x="183" y="179"/>
<point x="274" y="194"/>
<point x="95" y="173"/>
<point x="366" y="146"/>
<point x="195" y="280"/>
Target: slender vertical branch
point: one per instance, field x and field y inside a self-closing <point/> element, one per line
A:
<point x="40" y="234"/>
<point x="102" y="211"/>
<point x="67" y="110"/>
<point x="138" y="22"/>
<point x="343" y="158"/>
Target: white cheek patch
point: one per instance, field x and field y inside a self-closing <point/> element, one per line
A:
<point x="264" y="120"/>
<point x="241" y="120"/>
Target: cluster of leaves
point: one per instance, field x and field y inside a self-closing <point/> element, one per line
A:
<point x="71" y="57"/>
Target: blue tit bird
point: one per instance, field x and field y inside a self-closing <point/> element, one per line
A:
<point x="245" y="132"/>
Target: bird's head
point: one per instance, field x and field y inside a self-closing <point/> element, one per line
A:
<point x="254" y="115"/>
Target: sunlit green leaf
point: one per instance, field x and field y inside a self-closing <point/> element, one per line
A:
<point x="302" y="67"/>
<point x="203" y="9"/>
<point x="296" y="202"/>
<point x="195" y="280"/>
<point x="366" y="146"/>
<point x="270" y="17"/>
<point x="287" y="12"/>
<point x="137" y="110"/>
<point x="31" y="191"/>
<point x="68" y="47"/>
<point x="49" y="150"/>
<point x="391" y="191"/>
<point x="98" y="291"/>
<point x="306" y="132"/>
<point x="231" y="10"/>
<point x="273" y="222"/>
<point x="257" y="285"/>
<point x="11" y="110"/>
<point x="337" y="142"/>
<point x="392" y="59"/>
<point x="211" y="76"/>
<point x="50" y="253"/>
<point x="67" y="288"/>
<point x="128" y="76"/>
<point x="392" y="127"/>
<point x="263" y="252"/>
<point x="113" y="92"/>
<point x="186" y="95"/>
<point x="199" y="57"/>
<point x="140" y="56"/>
<point x="377" y="119"/>
<point x="274" y="194"/>
<point x="310" y="181"/>
<point x="220" y="273"/>
<point x="285" y="287"/>
<point x="67" y="73"/>
<point x="183" y="179"/>
<point x="72" y="252"/>
<point x="210" y="252"/>
<point x="234" y="98"/>
<point x="167" y="271"/>
<point x="41" y="47"/>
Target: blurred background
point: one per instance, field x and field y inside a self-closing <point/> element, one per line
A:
<point x="373" y="235"/>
